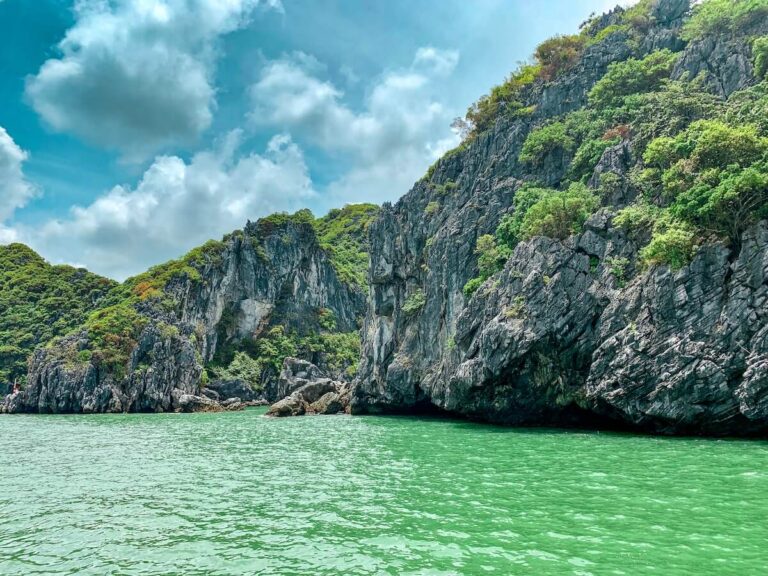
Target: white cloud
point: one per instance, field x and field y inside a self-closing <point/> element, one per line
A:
<point x="436" y="61"/>
<point x="177" y="206"/>
<point x="15" y="190"/>
<point x="401" y="129"/>
<point x="136" y="75"/>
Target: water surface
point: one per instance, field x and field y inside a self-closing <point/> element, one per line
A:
<point x="237" y="493"/>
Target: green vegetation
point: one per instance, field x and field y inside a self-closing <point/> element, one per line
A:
<point x="639" y="16"/>
<point x="242" y="367"/>
<point x="546" y="212"/>
<point x="748" y="106"/>
<point x="610" y="31"/>
<point x="151" y="285"/>
<point x="509" y="230"/>
<point x="724" y="16"/>
<point x="632" y="77"/>
<point x="625" y="81"/>
<point x="343" y="234"/>
<point x="589" y="154"/>
<point x="492" y="255"/>
<point x="516" y="309"/>
<point x="584" y="134"/>
<point x="546" y="140"/>
<point x="505" y="98"/>
<point x="431" y="208"/>
<point x="673" y="244"/>
<point x="618" y="267"/>
<point x="445" y="188"/>
<point x="113" y="332"/>
<point x="558" y="55"/>
<point x="559" y="214"/>
<point x="262" y="358"/>
<point x="714" y="176"/>
<point x="708" y="181"/>
<point x="760" y="56"/>
<point x="338" y="352"/>
<point x="638" y="217"/>
<point x="664" y="112"/>
<point x="538" y="212"/>
<point x="414" y="302"/>
<point x="39" y="302"/>
<point x="268" y="224"/>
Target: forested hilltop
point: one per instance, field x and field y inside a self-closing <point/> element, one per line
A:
<point x="230" y="310"/>
<point x="37" y="303"/>
<point x="594" y="253"/>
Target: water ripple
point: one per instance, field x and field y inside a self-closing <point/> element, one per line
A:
<point x="216" y="494"/>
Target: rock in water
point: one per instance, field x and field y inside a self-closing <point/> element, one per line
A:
<point x="310" y="392"/>
<point x="569" y="331"/>
<point x="176" y="317"/>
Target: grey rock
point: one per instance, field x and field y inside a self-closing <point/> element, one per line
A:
<point x="569" y="332"/>
<point x="290" y="406"/>
<point x="295" y="374"/>
<point x="263" y="276"/>
<point x="309" y="391"/>
<point x="724" y="62"/>
<point x="192" y="403"/>
<point x="616" y="161"/>
<point x="225" y="389"/>
<point x="684" y="352"/>
<point x="233" y="404"/>
<point x="329" y="403"/>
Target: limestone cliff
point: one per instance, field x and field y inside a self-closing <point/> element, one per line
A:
<point x="559" y="335"/>
<point x="149" y="350"/>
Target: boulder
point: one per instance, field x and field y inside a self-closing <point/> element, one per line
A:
<point x="329" y="403"/>
<point x="192" y="403"/>
<point x="315" y="393"/>
<point x="232" y="389"/>
<point x="295" y="374"/>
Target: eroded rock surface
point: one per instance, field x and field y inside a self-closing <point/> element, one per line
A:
<point x="569" y="332"/>
<point x="264" y="275"/>
<point x="309" y="391"/>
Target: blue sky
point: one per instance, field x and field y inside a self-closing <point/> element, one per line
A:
<point x="134" y="130"/>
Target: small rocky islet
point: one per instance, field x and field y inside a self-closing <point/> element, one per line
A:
<point x="595" y="254"/>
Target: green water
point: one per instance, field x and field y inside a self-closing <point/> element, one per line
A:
<point x="242" y="494"/>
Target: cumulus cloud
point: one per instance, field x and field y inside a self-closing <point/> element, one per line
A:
<point x="401" y="128"/>
<point x="436" y="61"/>
<point x="15" y="190"/>
<point x="136" y="75"/>
<point x="177" y="205"/>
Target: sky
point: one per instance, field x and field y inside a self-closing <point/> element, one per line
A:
<point x="134" y="130"/>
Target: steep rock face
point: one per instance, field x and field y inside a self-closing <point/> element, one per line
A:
<point x="285" y="275"/>
<point x="686" y="351"/>
<point x="265" y="275"/>
<point x="556" y="337"/>
<point x="158" y="366"/>
<point x="724" y="63"/>
<point x="412" y="251"/>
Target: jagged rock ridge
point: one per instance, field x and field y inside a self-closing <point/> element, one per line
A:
<point x="555" y="337"/>
<point x="274" y="273"/>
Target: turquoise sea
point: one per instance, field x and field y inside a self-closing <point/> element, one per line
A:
<point x="238" y="493"/>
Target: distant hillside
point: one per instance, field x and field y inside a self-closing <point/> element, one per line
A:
<point x="286" y="285"/>
<point x="39" y="302"/>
